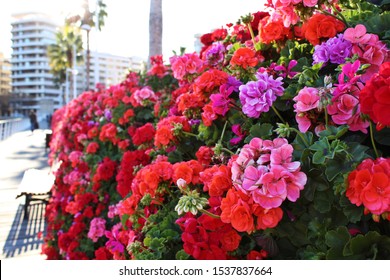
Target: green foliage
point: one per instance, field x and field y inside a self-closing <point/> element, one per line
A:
<point x="372" y="245"/>
<point x="261" y="130"/>
<point x="162" y="236"/>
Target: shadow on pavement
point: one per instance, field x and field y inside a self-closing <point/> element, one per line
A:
<point x="23" y="236"/>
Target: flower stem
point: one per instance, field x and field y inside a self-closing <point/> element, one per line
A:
<point x="372" y="139"/>
<point x="252" y="35"/>
<point x="341" y="18"/>
<point x="326" y="117"/>
<point x="223" y="132"/>
<point x="209" y="214"/>
<point x="228" y="151"/>
<point x="278" y="114"/>
<point x="301" y="136"/>
<point x="189" y="134"/>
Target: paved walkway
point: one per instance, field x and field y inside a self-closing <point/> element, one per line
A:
<point x="18" y="236"/>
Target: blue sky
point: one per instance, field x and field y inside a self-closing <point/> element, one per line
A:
<point x="126" y="31"/>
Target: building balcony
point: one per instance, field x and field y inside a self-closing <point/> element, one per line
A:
<point x="18" y="51"/>
<point x="32" y="75"/>
<point x="32" y="83"/>
<point x="29" y="59"/>
<point x="31" y="67"/>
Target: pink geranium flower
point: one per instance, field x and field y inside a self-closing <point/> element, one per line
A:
<point x="307" y="99"/>
<point x="266" y="171"/>
<point x="357" y="35"/>
<point x="96" y="229"/>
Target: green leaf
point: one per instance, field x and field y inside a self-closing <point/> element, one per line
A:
<point x="372" y="245"/>
<point x="323" y="201"/>
<point x="336" y="240"/>
<point x="124" y="219"/>
<point x="357" y="151"/>
<point x="353" y="212"/>
<point x="334" y="167"/>
<point x="300" y="145"/>
<point x="263" y="131"/>
<point x="296" y="233"/>
<point x="318" y="158"/>
<point x="378" y="23"/>
<point x="175" y="156"/>
<point x="322" y="150"/>
<point x="182" y="255"/>
<point x="383" y="136"/>
<point x="333" y="132"/>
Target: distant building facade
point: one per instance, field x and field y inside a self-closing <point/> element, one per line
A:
<point x="5" y="86"/>
<point x="5" y="75"/>
<point x="32" y="83"/>
<point x="107" y="69"/>
<point x="33" y="86"/>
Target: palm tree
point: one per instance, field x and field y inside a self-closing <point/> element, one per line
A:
<point x="61" y="54"/>
<point x="86" y="21"/>
<point x="155" y="28"/>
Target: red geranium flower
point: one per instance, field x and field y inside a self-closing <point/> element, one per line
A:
<point x="375" y="97"/>
<point x="245" y="58"/>
<point x="321" y="26"/>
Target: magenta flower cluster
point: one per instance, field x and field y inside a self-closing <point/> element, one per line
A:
<point x="345" y="106"/>
<point x="264" y="170"/>
<point x="258" y="96"/>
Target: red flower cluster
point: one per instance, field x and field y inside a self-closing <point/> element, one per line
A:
<point x="188" y="171"/>
<point x="321" y="26"/>
<point x="375" y="97"/>
<point x="125" y="176"/>
<point x="143" y="134"/>
<point x="217" y="180"/>
<point x="149" y="177"/>
<point x="158" y="68"/>
<point x="245" y="215"/>
<point x="204" y="155"/>
<point x="165" y="134"/>
<point x="109" y="133"/>
<point x="270" y="31"/>
<point x="369" y="184"/>
<point x="105" y="170"/>
<point x="245" y="58"/>
<point x="206" y="238"/>
<point x="210" y="81"/>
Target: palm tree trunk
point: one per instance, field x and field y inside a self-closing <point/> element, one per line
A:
<point x="155" y="28"/>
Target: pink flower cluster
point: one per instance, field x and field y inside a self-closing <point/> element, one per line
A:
<point x="345" y="107"/>
<point x="285" y="9"/>
<point x="96" y="229"/>
<point x="306" y="106"/>
<point x="368" y="47"/>
<point x="264" y="169"/>
<point x="185" y="65"/>
<point x="143" y="94"/>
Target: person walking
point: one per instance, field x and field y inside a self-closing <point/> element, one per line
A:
<point x="33" y="120"/>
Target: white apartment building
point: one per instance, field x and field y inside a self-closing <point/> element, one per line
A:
<point x="108" y="69"/>
<point x="32" y="82"/>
